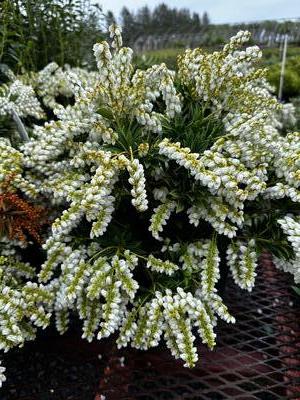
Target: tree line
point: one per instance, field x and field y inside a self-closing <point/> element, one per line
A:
<point x="161" y="20"/>
<point x="164" y="21"/>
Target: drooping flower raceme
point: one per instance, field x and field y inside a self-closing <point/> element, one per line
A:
<point x="2" y="376"/>
<point x="291" y="227"/>
<point x="21" y="99"/>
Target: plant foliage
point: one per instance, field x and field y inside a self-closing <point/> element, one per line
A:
<point x="34" y="33"/>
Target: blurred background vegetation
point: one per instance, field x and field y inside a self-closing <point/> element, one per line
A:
<point x="36" y="32"/>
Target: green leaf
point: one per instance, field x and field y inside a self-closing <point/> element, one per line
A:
<point x="105" y="112"/>
<point x="296" y="289"/>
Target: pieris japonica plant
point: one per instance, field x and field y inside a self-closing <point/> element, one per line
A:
<point x="18" y="101"/>
<point x="155" y="183"/>
<point x="53" y="84"/>
<point x="30" y="98"/>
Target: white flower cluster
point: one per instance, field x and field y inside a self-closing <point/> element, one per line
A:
<point x="133" y="94"/>
<point x="11" y="169"/>
<point x="160" y="193"/>
<point x="220" y="215"/>
<point x="98" y="290"/>
<point x="24" y="305"/>
<point x="286" y="116"/>
<point x="158" y="265"/>
<point x="54" y="82"/>
<point x="287" y="168"/>
<point x="21" y="99"/>
<point x="2" y="376"/>
<point x="293" y="267"/>
<point x="291" y="227"/>
<point x="242" y="260"/>
<point x="159" y="218"/>
<point x="210" y="269"/>
<point x="174" y="315"/>
<point x="224" y="176"/>
<point x="224" y="78"/>
<point x="192" y="257"/>
<point x="137" y="180"/>
<point x="190" y="161"/>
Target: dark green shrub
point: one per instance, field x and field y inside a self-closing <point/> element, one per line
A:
<point x="34" y="33"/>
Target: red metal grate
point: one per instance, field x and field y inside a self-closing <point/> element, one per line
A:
<point x="257" y="358"/>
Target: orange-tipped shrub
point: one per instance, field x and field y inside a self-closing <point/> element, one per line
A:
<point x="18" y="218"/>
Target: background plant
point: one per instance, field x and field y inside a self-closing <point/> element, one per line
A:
<point x="34" y="33"/>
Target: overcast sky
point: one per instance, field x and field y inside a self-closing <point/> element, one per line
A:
<point x="220" y="10"/>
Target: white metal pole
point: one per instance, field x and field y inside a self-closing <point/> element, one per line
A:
<point x="21" y="128"/>
<point x="282" y="67"/>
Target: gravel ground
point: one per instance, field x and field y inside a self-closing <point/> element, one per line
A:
<point x="53" y="368"/>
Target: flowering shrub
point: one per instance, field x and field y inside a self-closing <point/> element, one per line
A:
<point x="17" y="218"/>
<point x="156" y="181"/>
<point x="30" y="98"/>
<point x="54" y="83"/>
